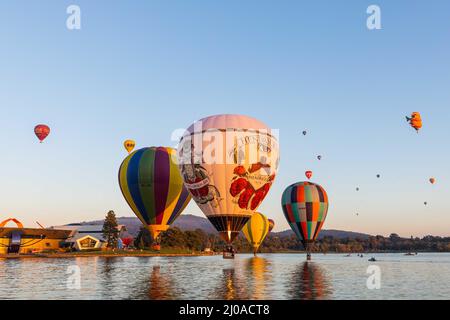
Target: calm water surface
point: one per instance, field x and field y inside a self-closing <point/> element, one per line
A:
<point x="271" y="276"/>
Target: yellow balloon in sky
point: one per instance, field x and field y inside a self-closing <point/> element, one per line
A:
<point x="256" y="230"/>
<point x="129" y="145"/>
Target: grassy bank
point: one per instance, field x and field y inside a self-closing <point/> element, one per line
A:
<point x="118" y="253"/>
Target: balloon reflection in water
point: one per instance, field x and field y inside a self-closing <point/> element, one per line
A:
<point x="259" y="274"/>
<point x="160" y="286"/>
<point x="231" y="287"/>
<point x="310" y="282"/>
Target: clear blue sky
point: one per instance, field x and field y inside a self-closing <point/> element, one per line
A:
<point x="140" y="69"/>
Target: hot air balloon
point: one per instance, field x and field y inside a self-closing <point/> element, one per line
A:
<point x="305" y="206"/>
<point x="357" y="189"/>
<point x="415" y="121"/>
<point x="425" y="203"/>
<point x="152" y="185"/>
<point x="378" y="176"/>
<point x="432" y="180"/>
<point x="41" y="131"/>
<point x="308" y="174"/>
<point x="319" y="157"/>
<point x="304" y="133"/>
<point x="256" y="230"/>
<point x="271" y="225"/>
<point x="228" y="163"/>
<point x="129" y="145"/>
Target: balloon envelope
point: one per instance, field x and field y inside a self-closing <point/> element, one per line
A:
<point x="415" y="121"/>
<point x="305" y="206"/>
<point x="41" y="131"/>
<point x="152" y="185"/>
<point x="308" y="174"/>
<point x="256" y="230"/>
<point x="271" y="225"/>
<point x="129" y="145"/>
<point x="432" y="180"/>
<point x="228" y="163"/>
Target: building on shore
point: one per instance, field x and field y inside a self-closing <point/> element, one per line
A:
<point x="88" y="236"/>
<point x="79" y="237"/>
<point x="29" y="240"/>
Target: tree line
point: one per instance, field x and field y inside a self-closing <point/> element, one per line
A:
<point x="198" y="240"/>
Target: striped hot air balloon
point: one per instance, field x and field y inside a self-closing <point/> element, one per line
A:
<point x="256" y="230"/>
<point x="305" y="206"/>
<point x="153" y="187"/>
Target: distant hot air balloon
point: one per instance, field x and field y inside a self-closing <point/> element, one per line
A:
<point x="357" y="189"/>
<point x="319" y="157"/>
<point x="256" y="230"/>
<point x="153" y="187"/>
<point x="415" y="121"/>
<point x="432" y="180"/>
<point x="228" y="163"/>
<point x="308" y="174"/>
<point x="378" y="176"/>
<point x="41" y="131"/>
<point x="425" y="203"/>
<point x="271" y="225"/>
<point x="129" y="145"/>
<point x="304" y="133"/>
<point x="305" y="206"/>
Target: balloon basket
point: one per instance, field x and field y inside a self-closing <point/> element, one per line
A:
<point x="228" y="252"/>
<point x="156" y="247"/>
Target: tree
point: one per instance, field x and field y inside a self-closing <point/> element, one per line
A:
<point x="110" y="230"/>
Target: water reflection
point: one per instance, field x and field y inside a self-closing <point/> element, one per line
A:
<point x="259" y="276"/>
<point x="231" y="286"/>
<point x="275" y="276"/>
<point x="310" y="282"/>
<point x="161" y="285"/>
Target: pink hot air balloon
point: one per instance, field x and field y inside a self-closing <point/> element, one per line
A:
<point x="308" y="174"/>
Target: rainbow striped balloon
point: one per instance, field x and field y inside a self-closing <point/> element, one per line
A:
<point x="153" y="187"/>
<point x="305" y="206"/>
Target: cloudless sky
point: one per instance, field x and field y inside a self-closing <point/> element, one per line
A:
<point x="141" y="69"/>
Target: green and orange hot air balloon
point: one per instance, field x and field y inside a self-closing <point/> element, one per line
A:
<point x="305" y="206"/>
<point x="153" y="187"/>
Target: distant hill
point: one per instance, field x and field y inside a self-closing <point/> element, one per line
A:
<point x="338" y="234"/>
<point x="190" y="222"/>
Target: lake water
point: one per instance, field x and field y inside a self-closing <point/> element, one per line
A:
<point x="270" y="276"/>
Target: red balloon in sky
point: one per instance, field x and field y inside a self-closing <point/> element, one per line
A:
<point x="41" y="131"/>
<point x="308" y="174"/>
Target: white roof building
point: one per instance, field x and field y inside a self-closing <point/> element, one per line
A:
<point x="88" y="236"/>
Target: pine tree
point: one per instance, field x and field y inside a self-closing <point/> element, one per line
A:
<point x="110" y="230"/>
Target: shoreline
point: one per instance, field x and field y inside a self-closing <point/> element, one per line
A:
<point x="101" y="255"/>
<point x="156" y="254"/>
